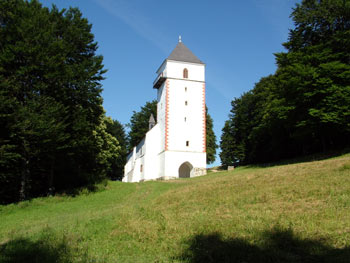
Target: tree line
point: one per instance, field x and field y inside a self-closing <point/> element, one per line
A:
<point x="55" y="135"/>
<point x="304" y="107"/>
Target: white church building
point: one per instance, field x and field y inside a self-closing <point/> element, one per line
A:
<point x="175" y="145"/>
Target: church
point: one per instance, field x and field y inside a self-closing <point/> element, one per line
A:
<point x="175" y="145"/>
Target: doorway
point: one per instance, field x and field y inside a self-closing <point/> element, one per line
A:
<point x="185" y="170"/>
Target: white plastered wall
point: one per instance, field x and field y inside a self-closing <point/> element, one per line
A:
<point x="186" y="116"/>
<point x="156" y="159"/>
<point x="161" y="108"/>
<point x="173" y="161"/>
<point x="174" y="69"/>
<point x="186" y="103"/>
<point x="153" y="148"/>
<point x="145" y="154"/>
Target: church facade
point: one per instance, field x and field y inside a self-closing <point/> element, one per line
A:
<point x="175" y="145"/>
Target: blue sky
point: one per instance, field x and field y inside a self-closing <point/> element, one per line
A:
<point x="236" y="40"/>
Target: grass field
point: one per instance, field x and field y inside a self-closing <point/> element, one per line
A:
<point x="283" y="213"/>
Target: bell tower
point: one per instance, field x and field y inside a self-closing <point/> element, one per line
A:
<point x="180" y="85"/>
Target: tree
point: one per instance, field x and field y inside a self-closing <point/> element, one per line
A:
<point x="313" y="75"/>
<point x="317" y="22"/>
<point x="50" y="100"/>
<point x="211" y="145"/>
<point x="305" y="106"/>
<point x="116" y="129"/>
<point x="139" y="123"/>
<point x="227" y="145"/>
<point x="110" y="152"/>
<point x="40" y="127"/>
<point x="235" y="137"/>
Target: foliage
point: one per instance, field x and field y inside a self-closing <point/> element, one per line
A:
<point x="109" y="154"/>
<point x="284" y="213"/>
<point x="305" y="106"/>
<point x="50" y="101"/>
<point x="211" y="145"/>
<point x="228" y="145"/>
<point x="116" y="129"/>
<point x="139" y="123"/>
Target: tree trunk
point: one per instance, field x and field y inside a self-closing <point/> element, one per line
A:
<point x="51" y="176"/>
<point x="24" y="176"/>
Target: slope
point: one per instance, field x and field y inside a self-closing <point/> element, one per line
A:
<point x="285" y="213"/>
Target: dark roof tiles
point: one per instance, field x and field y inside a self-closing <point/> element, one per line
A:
<point x="182" y="53"/>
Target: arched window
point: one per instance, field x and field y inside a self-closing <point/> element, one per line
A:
<point x="185" y="73"/>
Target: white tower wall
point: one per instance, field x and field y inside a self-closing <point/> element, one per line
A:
<point x="186" y="107"/>
<point x="176" y="146"/>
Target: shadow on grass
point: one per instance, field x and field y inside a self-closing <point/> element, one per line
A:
<point x="47" y="249"/>
<point x="302" y="159"/>
<point x="85" y="190"/>
<point x="276" y="246"/>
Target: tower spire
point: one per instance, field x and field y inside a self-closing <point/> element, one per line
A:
<point x="151" y="122"/>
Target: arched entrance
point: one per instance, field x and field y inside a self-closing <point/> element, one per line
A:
<point x="185" y="170"/>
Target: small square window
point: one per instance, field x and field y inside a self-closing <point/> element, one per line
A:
<point x="186" y="103"/>
<point x="185" y="89"/>
<point x="185" y="119"/>
<point x="187" y="143"/>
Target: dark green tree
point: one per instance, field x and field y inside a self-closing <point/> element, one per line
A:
<point x="305" y="106"/>
<point x="50" y="100"/>
<point x="211" y="145"/>
<point x="139" y="123"/>
<point x="235" y="142"/>
<point x="313" y="76"/>
<point x="228" y="145"/>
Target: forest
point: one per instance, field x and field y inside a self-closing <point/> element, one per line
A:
<point x="304" y="107"/>
<point x="54" y="133"/>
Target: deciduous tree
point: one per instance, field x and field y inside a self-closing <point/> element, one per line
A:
<point x="304" y="107"/>
<point x="139" y="123"/>
<point x="116" y="129"/>
<point x="211" y="145"/>
<point x="50" y="100"/>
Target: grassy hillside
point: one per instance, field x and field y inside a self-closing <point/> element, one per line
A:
<point x="287" y="213"/>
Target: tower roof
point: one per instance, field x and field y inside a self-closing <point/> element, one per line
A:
<point x="182" y="53"/>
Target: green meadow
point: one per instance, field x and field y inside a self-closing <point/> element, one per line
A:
<point x="283" y="213"/>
